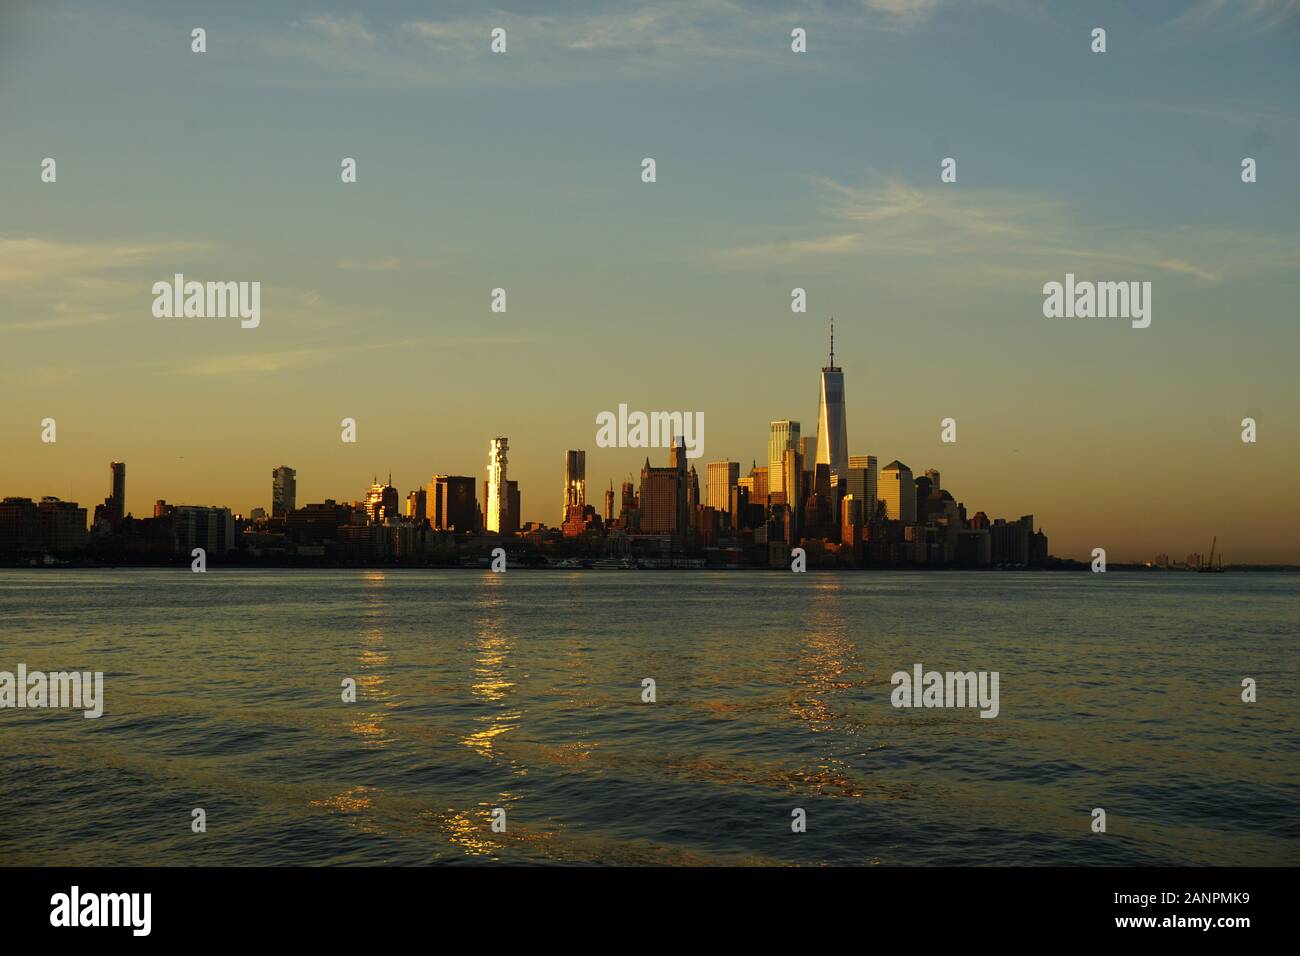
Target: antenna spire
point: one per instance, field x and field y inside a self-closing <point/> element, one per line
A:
<point x="832" y="341"/>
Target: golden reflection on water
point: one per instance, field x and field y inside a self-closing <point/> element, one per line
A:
<point x="470" y="830"/>
<point x="350" y="801"/>
<point x="373" y="658"/>
<point x="353" y="804"/>
<point x="492" y="650"/>
<point x="825" y="657"/>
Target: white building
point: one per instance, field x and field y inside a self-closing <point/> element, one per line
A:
<point x="496" y="503"/>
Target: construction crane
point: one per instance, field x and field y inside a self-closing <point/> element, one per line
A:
<point x="1208" y="567"/>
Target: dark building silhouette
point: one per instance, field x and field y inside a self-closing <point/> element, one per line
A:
<point x="450" y="504"/>
<point x="284" y="491"/>
<point x="20" y="526"/>
<point x="63" y="525"/>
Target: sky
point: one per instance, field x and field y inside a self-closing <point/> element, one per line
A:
<point x="775" y="170"/>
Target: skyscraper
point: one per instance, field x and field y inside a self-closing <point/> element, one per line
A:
<point x="194" y="526"/>
<point x="497" y="505"/>
<point x="381" y="501"/>
<point x="861" y="482"/>
<point x="832" y="424"/>
<point x="284" y="491"/>
<point x="898" y="492"/>
<point x="721" y="477"/>
<point x="116" y="503"/>
<point x="808" y="451"/>
<point x="662" y="501"/>
<point x="783" y="435"/>
<point x="575" y="483"/>
<point x="416" y="504"/>
<point x="511" y="522"/>
<point x="792" y="478"/>
<point x="450" y="504"/>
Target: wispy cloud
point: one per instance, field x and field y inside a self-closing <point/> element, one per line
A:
<point x="910" y="11"/>
<point x="56" y="285"/>
<point x="284" y="360"/>
<point x="815" y="245"/>
<point x="65" y="317"/>
<point x="41" y="260"/>
<point x="289" y="360"/>
<point x="1235" y="19"/>
<point x="993" y="235"/>
<point x="552" y="48"/>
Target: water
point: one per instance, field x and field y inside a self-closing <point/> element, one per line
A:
<point x="523" y="691"/>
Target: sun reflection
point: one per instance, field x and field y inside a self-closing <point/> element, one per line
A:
<point x="373" y="659"/>
<point x="824" y="660"/>
<point x="471" y="829"/>
<point x="353" y="805"/>
<point x="492" y="685"/>
<point x="350" y="801"/>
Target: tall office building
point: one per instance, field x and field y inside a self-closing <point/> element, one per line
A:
<point x="792" y="478"/>
<point x="381" y="501"/>
<point x="851" y="523"/>
<point x="450" y="504"/>
<point x="284" y="491"/>
<point x="194" y="526"/>
<point x="575" y="483"/>
<point x="808" y="449"/>
<point x="861" y="482"/>
<point x="416" y="504"/>
<point x="832" y="424"/>
<point x="782" y="436"/>
<point x="20" y="526"/>
<point x="721" y="477"/>
<point x="663" y="497"/>
<point x="511" y="523"/>
<point x="609" y="504"/>
<point x="688" y="484"/>
<point x="63" y="525"/>
<point x="658" y="499"/>
<point x="115" y="504"/>
<point x="898" y="492"/>
<point x="497" y="506"/>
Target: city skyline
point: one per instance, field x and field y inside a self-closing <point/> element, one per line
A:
<point x="669" y="498"/>
<point x="376" y="295"/>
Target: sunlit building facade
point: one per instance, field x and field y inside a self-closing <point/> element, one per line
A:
<point x="575" y="483"/>
<point x="782" y="436"/>
<point x="498" y="503"/>
<point x="898" y="492"/>
<point x="832" y="419"/>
